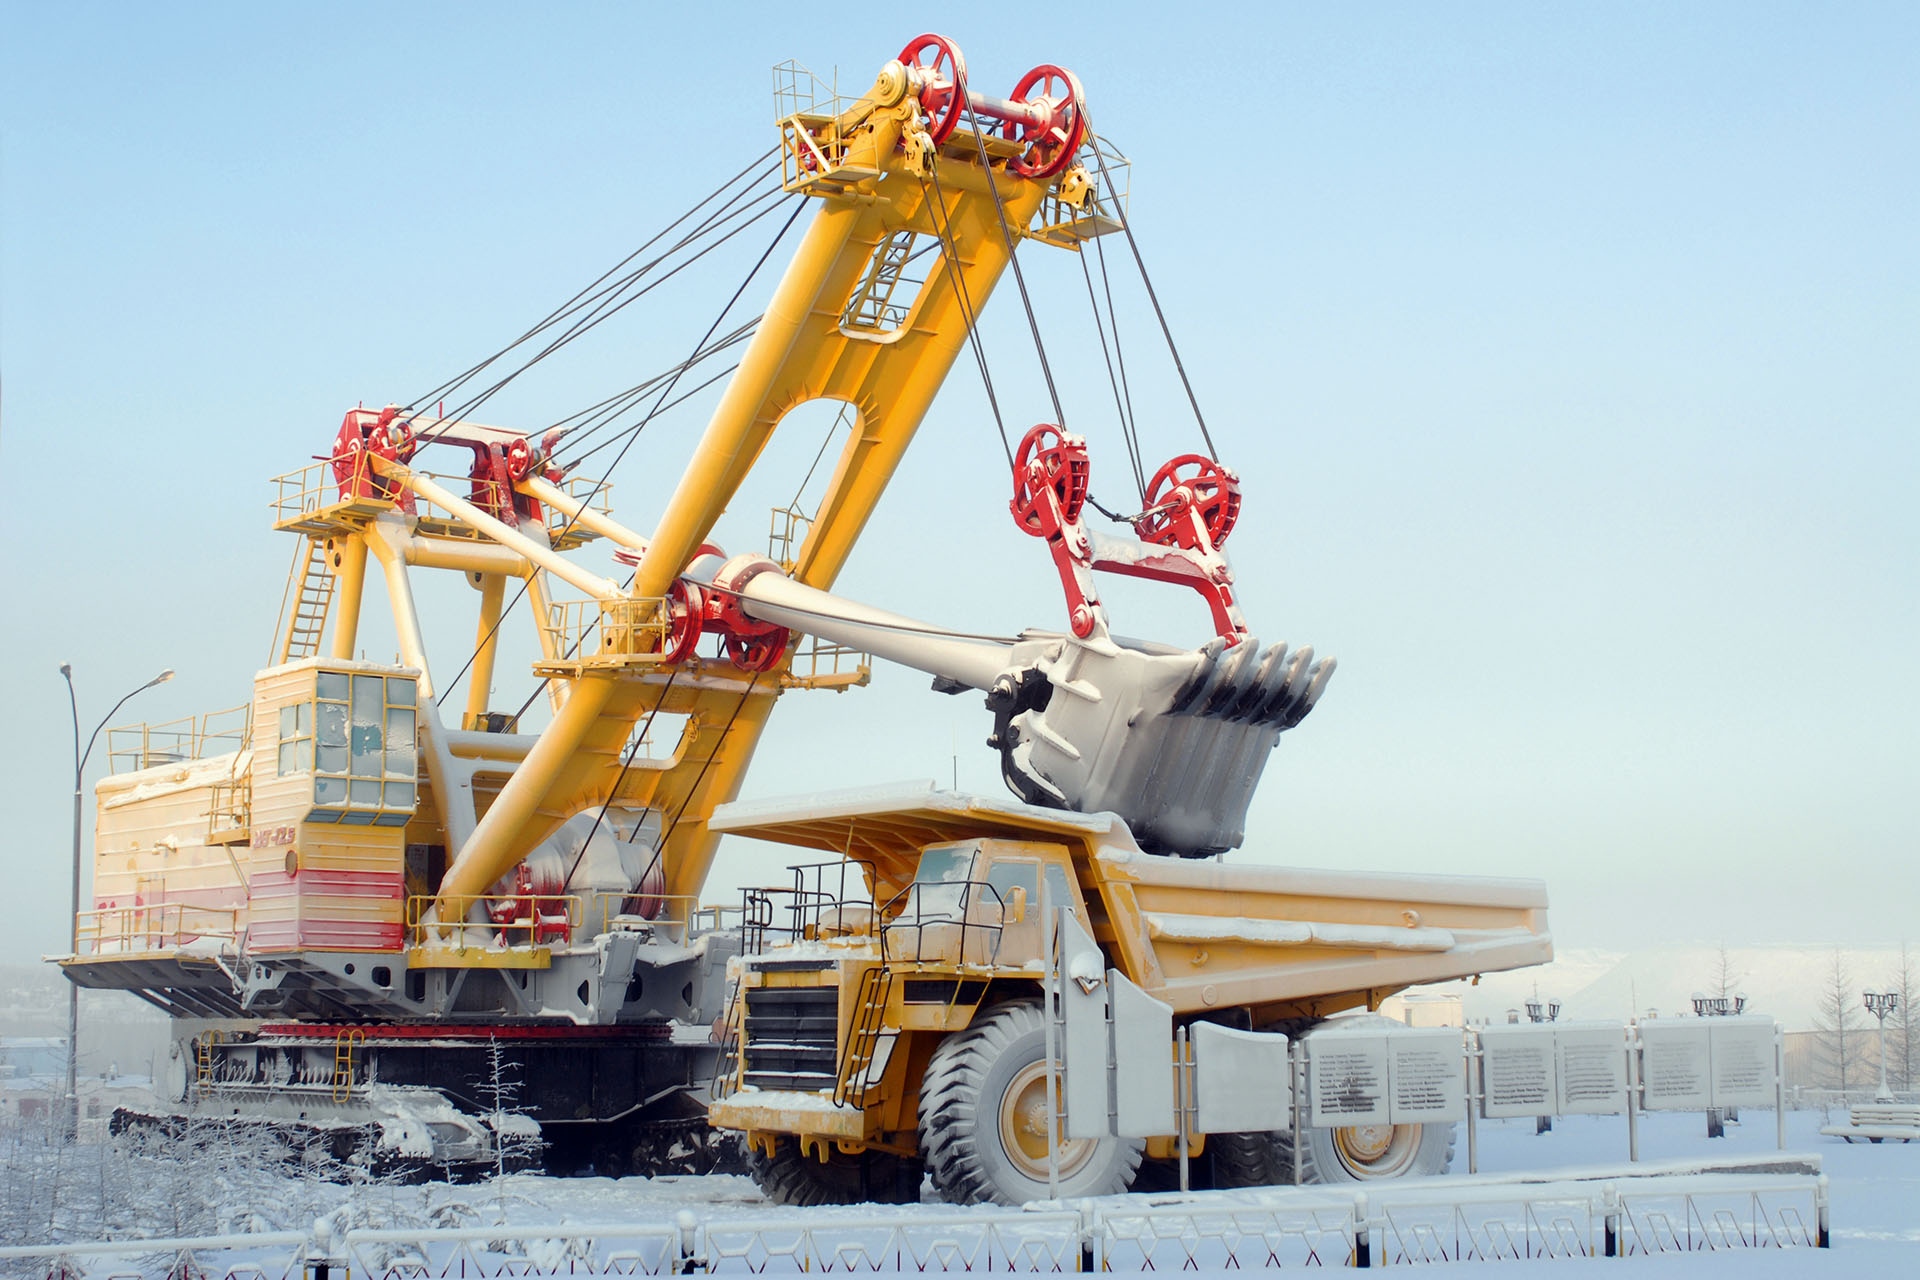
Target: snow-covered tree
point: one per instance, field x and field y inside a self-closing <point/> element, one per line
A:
<point x="1902" y="1031"/>
<point x="1838" y="1018"/>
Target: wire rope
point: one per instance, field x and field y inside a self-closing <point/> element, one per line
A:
<point x="1019" y="278"/>
<point x="1126" y="225"/>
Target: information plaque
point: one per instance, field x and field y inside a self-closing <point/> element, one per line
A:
<point x="1426" y="1076"/>
<point x="1590" y="1064"/>
<point x="1347" y="1078"/>
<point x="1676" y="1069"/>
<point x="1517" y="1074"/>
<point x="1743" y="1062"/>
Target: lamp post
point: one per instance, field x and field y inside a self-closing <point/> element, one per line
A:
<point x="1880" y="1004"/>
<point x="1542" y="1011"/>
<point x="71" y="1101"/>
<point x="1721" y="1006"/>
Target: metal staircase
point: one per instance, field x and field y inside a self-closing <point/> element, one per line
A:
<point x="863" y="1037"/>
<point x="310" y="582"/>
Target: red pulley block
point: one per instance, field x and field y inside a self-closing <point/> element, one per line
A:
<point x="757" y="652"/>
<point x="943" y="72"/>
<point x="686" y="614"/>
<point x="1060" y="125"/>
<point x="1049" y="462"/>
<point x="1190" y="487"/>
<point x="521" y="459"/>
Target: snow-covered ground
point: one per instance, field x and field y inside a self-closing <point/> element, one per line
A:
<point x="1875" y="1197"/>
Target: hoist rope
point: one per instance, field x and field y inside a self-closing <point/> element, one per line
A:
<point x="1126" y="225"/>
<point x="1120" y="407"/>
<point x="949" y="253"/>
<point x="1019" y="278"/>
<point x="633" y="747"/>
<point x="1120" y="357"/>
<point x="608" y="306"/>
<point x="632" y="435"/>
<point x="588" y="295"/>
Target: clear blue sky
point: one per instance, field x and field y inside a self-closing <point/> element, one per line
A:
<point x="1568" y="354"/>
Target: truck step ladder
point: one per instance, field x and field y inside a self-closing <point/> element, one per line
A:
<point x="344" y="1043"/>
<point x="312" y="597"/>
<point x="863" y="1037"/>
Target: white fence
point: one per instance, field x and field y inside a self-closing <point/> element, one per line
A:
<point x="1617" y="1214"/>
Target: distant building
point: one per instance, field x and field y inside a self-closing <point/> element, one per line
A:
<point x="1424" y="1009"/>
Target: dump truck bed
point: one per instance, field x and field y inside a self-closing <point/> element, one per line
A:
<point x="1288" y="941"/>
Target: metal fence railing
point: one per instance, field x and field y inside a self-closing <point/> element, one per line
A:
<point x="1420" y="1221"/>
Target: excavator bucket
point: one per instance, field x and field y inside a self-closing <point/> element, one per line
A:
<point x="1173" y="741"/>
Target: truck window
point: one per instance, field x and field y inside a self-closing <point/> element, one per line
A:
<point x="941" y="881"/>
<point x="1008" y="874"/>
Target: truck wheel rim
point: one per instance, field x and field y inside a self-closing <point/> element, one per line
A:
<point x="1023" y="1127"/>
<point x="1377" y="1150"/>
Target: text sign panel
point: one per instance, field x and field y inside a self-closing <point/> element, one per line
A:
<point x="1347" y="1078"/>
<point x="1590" y="1065"/>
<point x="1426" y="1076"/>
<point x="1676" y="1065"/>
<point x="1743" y="1062"/>
<point x="1517" y="1074"/>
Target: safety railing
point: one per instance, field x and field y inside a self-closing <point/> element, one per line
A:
<point x="161" y="926"/>
<point x="1450" y="1220"/>
<point x="143" y="745"/>
<point x="229" y="808"/>
<point x="943" y="922"/>
<point x="798" y="91"/>
<point x="1073" y="212"/>
<point x="529" y="920"/>
<point x="610" y="632"/>
<point x="825" y="898"/>
<point x="305" y="492"/>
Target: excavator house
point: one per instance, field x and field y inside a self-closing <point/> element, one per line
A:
<point x="364" y="900"/>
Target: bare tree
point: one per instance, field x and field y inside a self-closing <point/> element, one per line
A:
<point x="1726" y="979"/>
<point x="1836" y="1043"/>
<point x="1901" y="1030"/>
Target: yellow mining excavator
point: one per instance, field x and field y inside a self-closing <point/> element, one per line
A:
<point x="363" y="902"/>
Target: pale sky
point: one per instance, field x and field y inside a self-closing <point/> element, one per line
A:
<point x="1567" y="355"/>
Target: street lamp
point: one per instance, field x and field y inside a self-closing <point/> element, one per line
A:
<point x="1880" y="1004"/>
<point x="1539" y="1010"/>
<point x="1721" y="1006"/>
<point x="72" y="1100"/>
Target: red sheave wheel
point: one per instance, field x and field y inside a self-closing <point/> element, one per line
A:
<point x="945" y="94"/>
<point x="1052" y="141"/>
<point x="1194" y="482"/>
<point x="1049" y="459"/>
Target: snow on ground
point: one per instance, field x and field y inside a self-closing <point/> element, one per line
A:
<point x="1875" y="1197"/>
<point x="1875" y="1193"/>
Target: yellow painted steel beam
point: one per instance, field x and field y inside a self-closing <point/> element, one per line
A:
<point x="493" y="591"/>
<point x="350" y="577"/>
<point x="803" y="349"/>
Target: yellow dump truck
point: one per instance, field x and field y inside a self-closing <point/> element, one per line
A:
<point x="888" y="1017"/>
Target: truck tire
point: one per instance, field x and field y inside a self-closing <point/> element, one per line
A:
<point x="1251" y="1159"/>
<point x="1231" y="1160"/>
<point x="1372" y="1152"/>
<point x="983" y="1118"/>
<point x="876" y="1177"/>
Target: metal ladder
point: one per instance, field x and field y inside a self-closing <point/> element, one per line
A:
<point x="203" y="1067"/>
<point x="863" y="1036"/>
<point x="315" y="596"/>
<point x="344" y="1043"/>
